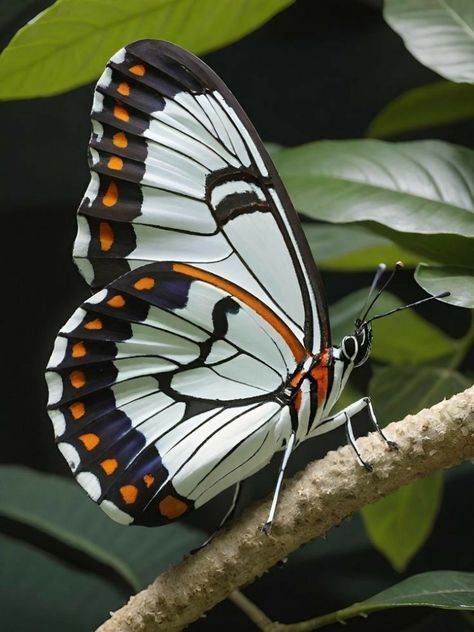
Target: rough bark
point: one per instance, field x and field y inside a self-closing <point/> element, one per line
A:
<point x="316" y="499"/>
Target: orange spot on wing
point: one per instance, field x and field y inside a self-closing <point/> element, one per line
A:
<point x="149" y="479"/>
<point x="93" y="324"/>
<point x="109" y="466"/>
<point x="90" y="440"/>
<point x="116" y="301"/>
<point x="172" y="507"/>
<point x="120" y="140"/>
<point x="138" y="69"/>
<point x="145" y="283"/>
<point x="121" y="113"/>
<point x="129" y="494"/>
<point x="321" y="375"/>
<point x="297" y="377"/>
<point x="77" y="379"/>
<point x="77" y="410"/>
<point x="124" y="89"/>
<point x="111" y="195"/>
<point x="253" y="302"/>
<point x="106" y="236"/>
<point x="115" y="163"/>
<point x="78" y="350"/>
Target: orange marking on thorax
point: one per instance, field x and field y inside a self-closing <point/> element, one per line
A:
<point x="124" y="89"/>
<point x="138" y="69"/>
<point x="254" y="303"/>
<point x="297" y="400"/>
<point x="121" y="113"/>
<point x="106" y="236"/>
<point x="120" y="140"/>
<point x="129" y="494"/>
<point x="78" y="350"/>
<point x="111" y="195"/>
<point x="93" y="324"/>
<point x="77" y="379"/>
<point x="172" y="507"/>
<point x="320" y="373"/>
<point x="145" y="283"/>
<point x="109" y="466"/>
<point x="77" y="410"/>
<point x="148" y="479"/>
<point x="116" y="301"/>
<point x="90" y="440"/>
<point x="115" y="163"/>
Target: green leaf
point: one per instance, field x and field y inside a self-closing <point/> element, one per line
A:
<point x="439" y="33"/>
<point x="440" y="103"/>
<point x="348" y="247"/>
<point x="404" y="338"/>
<point x="61" y="509"/>
<point x="459" y="281"/>
<point x="69" y="44"/>
<point x="398" y="525"/>
<point x="418" y="194"/>
<point x="451" y="590"/>
<point x="39" y="593"/>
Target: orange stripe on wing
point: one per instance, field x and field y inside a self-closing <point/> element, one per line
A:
<point x="321" y="374"/>
<point x="299" y="352"/>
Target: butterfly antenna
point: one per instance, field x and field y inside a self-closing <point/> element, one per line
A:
<point x="399" y="309"/>
<point x="377" y="276"/>
<point x="398" y="266"/>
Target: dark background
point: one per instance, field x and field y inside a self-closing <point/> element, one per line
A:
<point x="319" y="70"/>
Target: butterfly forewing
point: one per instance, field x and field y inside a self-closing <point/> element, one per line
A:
<point x="179" y="173"/>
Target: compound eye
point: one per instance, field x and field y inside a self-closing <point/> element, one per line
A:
<point x="349" y="347"/>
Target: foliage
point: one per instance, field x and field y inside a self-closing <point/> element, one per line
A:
<point x="365" y="200"/>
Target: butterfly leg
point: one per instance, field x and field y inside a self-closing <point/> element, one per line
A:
<point x="351" y="440"/>
<point x="281" y="474"/>
<point x="227" y="517"/>
<point x="373" y="419"/>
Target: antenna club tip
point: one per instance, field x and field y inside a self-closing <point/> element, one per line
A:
<point x="444" y="294"/>
<point x="399" y="265"/>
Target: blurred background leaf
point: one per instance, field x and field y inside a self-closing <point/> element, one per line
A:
<point x="61" y="510"/>
<point x="439" y="34"/>
<point x="351" y="247"/>
<point x="69" y="43"/>
<point x="421" y="108"/>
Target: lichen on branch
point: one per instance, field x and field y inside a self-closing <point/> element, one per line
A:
<point x="313" y="501"/>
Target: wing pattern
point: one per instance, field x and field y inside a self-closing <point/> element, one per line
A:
<point x="179" y="173"/>
<point x="164" y="390"/>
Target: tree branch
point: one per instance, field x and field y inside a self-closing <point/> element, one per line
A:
<point x="312" y="502"/>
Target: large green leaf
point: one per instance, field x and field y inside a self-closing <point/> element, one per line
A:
<point x="60" y="509"/>
<point x="403" y="338"/>
<point x="419" y="194"/>
<point x="347" y="247"/>
<point x="440" y="103"/>
<point x="68" y="44"/>
<point x="458" y="281"/>
<point x="400" y="523"/>
<point x="40" y="593"/>
<point x="439" y="33"/>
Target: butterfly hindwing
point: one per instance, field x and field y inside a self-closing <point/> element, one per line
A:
<point x="165" y="388"/>
<point x="179" y="173"/>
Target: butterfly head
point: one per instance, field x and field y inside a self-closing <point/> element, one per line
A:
<point x="355" y="349"/>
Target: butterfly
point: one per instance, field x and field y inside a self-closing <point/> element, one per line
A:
<point x="206" y="346"/>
